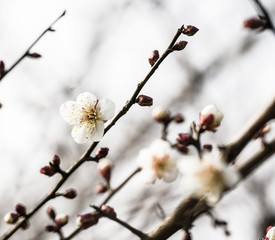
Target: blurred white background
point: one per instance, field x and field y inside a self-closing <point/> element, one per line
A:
<point x="103" y="47"/>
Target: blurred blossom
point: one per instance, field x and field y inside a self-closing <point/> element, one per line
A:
<point x="104" y="168"/>
<point x="208" y="178"/>
<point x="270" y="235"/>
<point x="158" y="162"/>
<point x="210" y="118"/>
<point x="161" y="114"/>
<point x="88" y="114"/>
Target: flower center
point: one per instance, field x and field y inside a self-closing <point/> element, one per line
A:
<point x="159" y="164"/>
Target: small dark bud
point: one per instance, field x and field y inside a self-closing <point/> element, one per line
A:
<point x="51" y="30"/>
<point x="48" y="170"/>
<point x="25" y="225"/>
<point x="179" y="45"/>
<point x="190" y="30"/>
<point x="178" y="118"/>
<point x="51" y="228"/>
<point x="51" y="213"/>
<point x="20" y="209"/>
<point x="34" y="55"/>
<point x="154" y="57"/>
<point x="144" y="101"/>
<point x="207" y="147"/>
<point x="182" y="148"/>
<point x="87" y="220"/>
<point x="56" y="161"/>
<point x="1" y="105"/>
<point x="61" y="220"/>
<point x="100" y="188"/>
<point x="2" y="67"/>
<point x="185" y="139"/>
<point x="253" y="23"/>
<point x="11" y="218"/>
<point x="109" y="211"/>
<point x="70" y="193"/>
<point x="102" y="153"/>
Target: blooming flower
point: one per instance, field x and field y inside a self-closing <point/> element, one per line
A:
<point x="88" y="115"/>
<point x="210" y="118"/>
<point x="208" y="178"/>
<point x="158" y="162"/>
<point x="270" y="235"/>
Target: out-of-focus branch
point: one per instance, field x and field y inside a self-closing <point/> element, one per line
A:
<point x="263" y="14"/>
<point x="86" y="156"/>
<point x="252" y="163"/>
<point x="233" y="149"/>
<point x="27" y="52"/>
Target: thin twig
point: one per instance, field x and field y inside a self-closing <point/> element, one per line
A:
<point x="263" y="14"/>
<point x="122" y="223"/>
<point x="27" y="52"/>
<point x="86" y="155"/>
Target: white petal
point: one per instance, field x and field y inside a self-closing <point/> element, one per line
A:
<point x="86" y="100"/>
<point x="170" y="176"/>
<point x="144" y="158"/>
<point x="107" y="108"/>
<point x="70" y="112"/>
<point x="148" y="176"/>
<point x="81" y="133"/>
<point x="97" y="133"/>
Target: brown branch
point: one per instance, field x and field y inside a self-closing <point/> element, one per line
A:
<point x="27" y="52"/>
<point x="86" y="156"/>
<point x="233" y="149"/>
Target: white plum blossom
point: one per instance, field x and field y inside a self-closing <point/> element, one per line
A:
<point x="88" y="115"/>
<point x="210" y="118"/>
<point x="158" y="162"/>
<point x="270" y="235"/>
<point x="208" y="178"/>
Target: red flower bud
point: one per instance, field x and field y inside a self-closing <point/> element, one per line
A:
<point x="102" y="152"/>
<point x="154" y="57"/>
<point x="179" y="45"/>
<point x="185" y="139"/>
<point x="48" y="170"/>
<point x="51" y="228"/>
<point x="20" y="209"/>
<point x="109" y="211"/>
<point x="178" y="118"/>
<point x="25" y="225"/>
<point x="51" y="213"/>
<point x="207" y="147"/>
<point x="70" y="193"/>
<point x="104" y="168"/>
<point x="87" y="220"/>
<point x="253" y="23"/>
<point x="144" y="101"/>
<point x="56" y="161"/>
<point x="190" y="30"/>
<point x="61" y="220"/>
<point x="182" y="148"/>
<point x="34" y="55"/>
<point x="11" y="218"/>
<point x="2" y="67"/>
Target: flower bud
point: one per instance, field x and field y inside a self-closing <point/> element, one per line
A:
<point x="178" y="118"/>
<point x="51" y="228"/>
<point x="70" y="193"/>
<point x="270" y="233"/>
<point x="185" y="139"/>
<point x="61" y="220"/>
<point x="2" y="67"/>
<point x="207" y="147"/>
<point x="87" y="220"/>
<point x="56" y="161"/>
<point x="109" y="211"/>
<point x="210" y="118"/>
<point x="104" y="168"/>
<point x="154" y="57"/>
<point x="34" y="55"/>
<point x="100" y="188"/>
<point x="179" y="45"/>
<point x="144" y="101"/>
<point x="182" y="148"/>
<point x="25" y="225"/>
<point x="161" y="115"/>
<point x="11" y="218"/>
<point x="51" y="213"/>
<point x="102" y="153"/>
<point x="20" y="209"/>
<point x="190" y="30"/>
<point x="48" y="171"/>
<point x="253" y="23"/>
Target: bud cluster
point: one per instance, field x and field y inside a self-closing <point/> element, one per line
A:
<point x="52" y="168"/>
<point x="13" y="217"/>
<point x="59" y="220"/>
